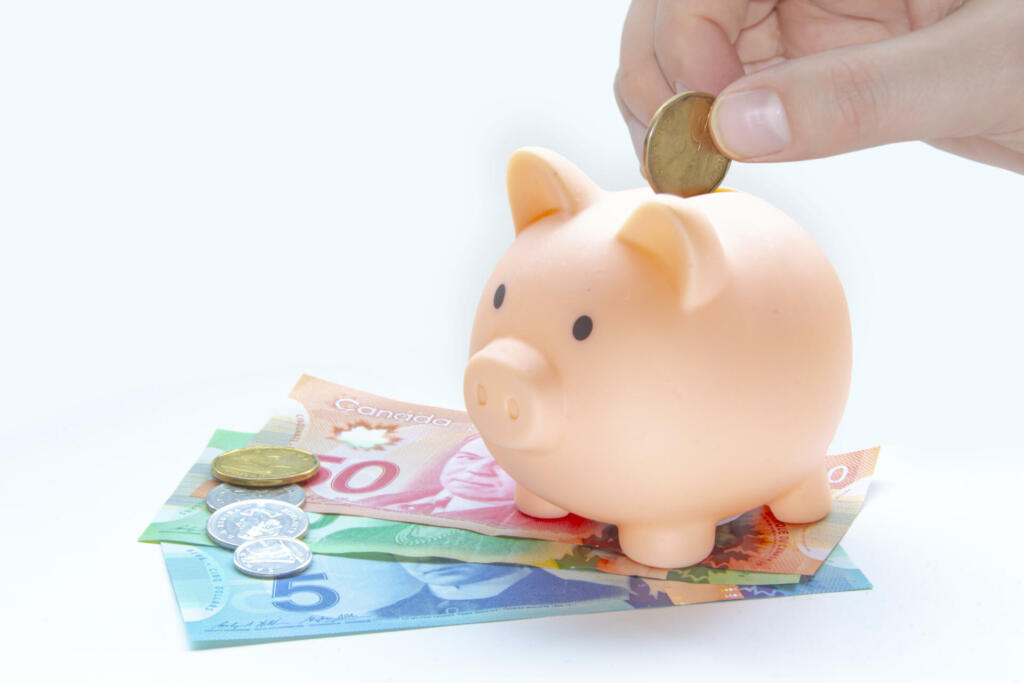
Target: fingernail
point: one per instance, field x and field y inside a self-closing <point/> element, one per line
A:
<point x="750" y="124"/>
<point x="680" y="88"/>
<point x="637" y="131"/>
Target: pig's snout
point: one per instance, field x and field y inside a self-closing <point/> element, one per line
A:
<point x="514" y="397"/>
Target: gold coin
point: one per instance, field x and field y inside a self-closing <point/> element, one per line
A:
<point x="680" y="157"/>
<point x="261" y="466"/>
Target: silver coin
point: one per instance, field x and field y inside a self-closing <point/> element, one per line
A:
<point x="234" y="524"/>
<point x="272" y="557"/>
<point x="225" y="494"/>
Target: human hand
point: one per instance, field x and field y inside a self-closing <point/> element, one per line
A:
<point x="800" y="79"/>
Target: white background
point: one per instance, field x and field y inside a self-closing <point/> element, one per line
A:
<point x="199" y="201"/>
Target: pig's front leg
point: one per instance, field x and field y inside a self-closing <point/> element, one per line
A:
<point x="531" y="504"/>
<point x="808" y="501"/>
<point x="669" y="546"/>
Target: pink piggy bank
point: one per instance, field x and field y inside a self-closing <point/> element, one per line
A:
<point x="656" y="362"/>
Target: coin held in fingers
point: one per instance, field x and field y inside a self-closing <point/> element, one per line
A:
<point x="680" y="156"/>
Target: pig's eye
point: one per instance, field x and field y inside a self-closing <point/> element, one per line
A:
<point x="582" y="327"/>
<point x="499" y="296"/>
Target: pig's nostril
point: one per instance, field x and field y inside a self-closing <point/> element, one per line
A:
<point x="481" y="394"/>
<point x="513" y="409"/>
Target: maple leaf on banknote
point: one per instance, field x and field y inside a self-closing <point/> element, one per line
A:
<point x="737" y="540"/>
<point x="609" y="537"/>
<point x="580" y="557"/>
<point x="641" y="595"/>
<point x="367" y="437"/>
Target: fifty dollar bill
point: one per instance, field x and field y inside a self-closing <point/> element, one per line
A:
<point x="412" y="463"/>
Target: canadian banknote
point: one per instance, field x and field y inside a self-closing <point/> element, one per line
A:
<point x="406" y="462"/>
<point x="183" y="520"/>
<point x="339" y="595"/>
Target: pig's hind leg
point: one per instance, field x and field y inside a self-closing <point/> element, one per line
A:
<point x="675" y="545"/>
<point x="530" y="503"/>
<point x="808" y="501"/>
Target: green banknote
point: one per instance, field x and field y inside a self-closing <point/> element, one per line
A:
<point x="183" y="519"/>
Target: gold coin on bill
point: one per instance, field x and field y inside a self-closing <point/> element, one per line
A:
<point x="261" y="466"/>
<point x="680" y="156"/>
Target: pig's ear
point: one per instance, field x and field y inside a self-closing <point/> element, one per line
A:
<point x="541" y="182"/>
<point x="683" y="243"/>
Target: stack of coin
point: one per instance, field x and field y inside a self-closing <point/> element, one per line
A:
<point x="256" y="510"/>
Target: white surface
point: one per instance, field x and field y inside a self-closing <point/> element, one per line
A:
<point x="200" y="201"/>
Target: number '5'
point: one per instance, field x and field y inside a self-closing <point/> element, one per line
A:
<point x="283" y="588"/>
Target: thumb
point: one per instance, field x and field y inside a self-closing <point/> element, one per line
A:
<point x="938" y="82"/>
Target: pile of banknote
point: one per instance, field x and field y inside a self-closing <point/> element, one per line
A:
<point x="411" y="523"/>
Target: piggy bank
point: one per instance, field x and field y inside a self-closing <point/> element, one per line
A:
<point x="655" y="362"/>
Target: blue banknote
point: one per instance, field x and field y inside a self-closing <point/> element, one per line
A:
<point x="340" y="595"/>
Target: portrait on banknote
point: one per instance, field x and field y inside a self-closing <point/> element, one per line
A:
<point x="467" y="481"/>
<point x="451" y="588"/>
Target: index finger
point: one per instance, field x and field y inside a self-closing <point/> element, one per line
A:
<point x="640" y="86"/>
<point x="695" y="41"/>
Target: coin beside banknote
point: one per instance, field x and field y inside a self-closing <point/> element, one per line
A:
<point x="225" y="494"/>
<point x="265" y="466"/>
<point x="273" y="557"/>
<point x="234" y="524"/>
<point x="679" y="155"/>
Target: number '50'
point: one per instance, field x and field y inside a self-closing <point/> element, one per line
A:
<point x="286" y="588"/>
